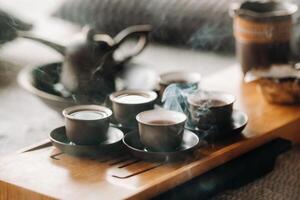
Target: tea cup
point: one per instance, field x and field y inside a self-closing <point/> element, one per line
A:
<point x="127" y="104"/>
<point x="87" y="124"/>
<point x="211" y="108"/>
<point x="161" y="130"/>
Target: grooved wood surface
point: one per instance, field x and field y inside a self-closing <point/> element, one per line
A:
<point x="36" y="175"/>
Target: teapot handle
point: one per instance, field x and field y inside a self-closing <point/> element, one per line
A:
<point x="140" y="30"/>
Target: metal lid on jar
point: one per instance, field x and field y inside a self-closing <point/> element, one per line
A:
<point x="263" y="9"/>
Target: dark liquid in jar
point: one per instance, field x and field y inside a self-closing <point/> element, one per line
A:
<point x="262" y="56"/>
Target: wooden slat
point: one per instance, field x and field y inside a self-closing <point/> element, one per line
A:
<point x="40" y="145"/>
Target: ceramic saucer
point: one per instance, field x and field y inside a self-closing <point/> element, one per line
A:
<point x="190" y="143"/>
<point x="122" y="127"/>
<point x="238" y="124"/>
<point x="112" y="144"/>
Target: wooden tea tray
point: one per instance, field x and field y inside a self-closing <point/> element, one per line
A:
<point x="45" y="173"/>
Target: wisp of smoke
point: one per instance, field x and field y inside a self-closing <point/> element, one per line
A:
<point x="175" y="98"/>
<point x="202" y="120"/>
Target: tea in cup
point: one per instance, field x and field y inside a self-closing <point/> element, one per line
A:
<point x="161" y="130"/>
<point x="128" y="103"/>
<point x="211" y="108"/>
<point x="87" y="124"/>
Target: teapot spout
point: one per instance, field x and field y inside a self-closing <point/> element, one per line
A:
<point x="57" y="47"/>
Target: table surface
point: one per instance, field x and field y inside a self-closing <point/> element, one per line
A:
<point x="34" y="174"/>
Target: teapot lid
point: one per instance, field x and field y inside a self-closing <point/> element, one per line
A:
<point x="263" y="9"/>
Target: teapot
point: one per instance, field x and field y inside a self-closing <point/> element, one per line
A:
<point x="90" y="65"/>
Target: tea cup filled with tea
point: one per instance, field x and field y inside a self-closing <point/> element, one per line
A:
<point x="179" y="77"/>
<point x="87" y="124"/>
<point x="127" y="104"/>
<point x="161" y="130"/>
<point x="213" y="108"/>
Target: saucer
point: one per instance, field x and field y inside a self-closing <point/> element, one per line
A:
<point x="238" y="124"/>
<point x="125" y="129"/>
<point x="190" y="143"/>
<point x="112" y="144"/>
<point x="114" y="123"/>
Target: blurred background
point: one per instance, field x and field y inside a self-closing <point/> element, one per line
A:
<point x="188" y="35"/>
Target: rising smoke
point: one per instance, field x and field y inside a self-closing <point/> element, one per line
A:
<point x="201" y="119"/>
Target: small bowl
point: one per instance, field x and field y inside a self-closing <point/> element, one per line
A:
<point x="87" y="124"/>
<point x="31" y="80"/>
<point x="161" y="130"/>
<point x="179" y="77"/>
<point x="40" y="81"/>
<point x="127" y="104"/>
<point x="211" y="108"/>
